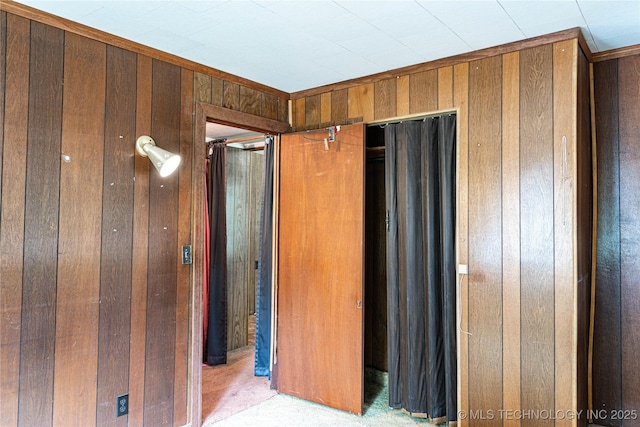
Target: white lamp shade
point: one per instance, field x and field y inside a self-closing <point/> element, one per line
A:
<point x="164" y="161"/>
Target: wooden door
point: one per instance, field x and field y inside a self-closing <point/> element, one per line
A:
<point x="321" y="264"/>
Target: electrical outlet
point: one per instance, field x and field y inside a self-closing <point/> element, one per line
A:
<point x="122" y="405"/>
<point x="463" y="269"/>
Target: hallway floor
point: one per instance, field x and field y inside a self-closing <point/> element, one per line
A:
<point x="233" y="397"/>
<point x="286" y="411"/>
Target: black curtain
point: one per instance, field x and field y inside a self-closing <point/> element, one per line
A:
<point x="421" y="284"/>
<point x="263" y="296"/>
<point x="216" y="345"/>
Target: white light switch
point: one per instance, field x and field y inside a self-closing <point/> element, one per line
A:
<point x="463" y="269"/>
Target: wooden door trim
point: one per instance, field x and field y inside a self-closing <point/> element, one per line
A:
<point x="203" y="113"/>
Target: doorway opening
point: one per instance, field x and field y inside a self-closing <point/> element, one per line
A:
<point x="232" y="386"/>
<point x="205" y="113"/>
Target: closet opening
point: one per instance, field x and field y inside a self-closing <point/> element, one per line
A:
<point x="410" y="330"/>
<point x="375" y="273"/>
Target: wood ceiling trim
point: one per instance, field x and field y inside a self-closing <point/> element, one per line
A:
<point x="452" y="60"/>
<point x="616" y="53"/>
<point x="28" y="12"/>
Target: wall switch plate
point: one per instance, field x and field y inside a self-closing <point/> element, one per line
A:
<point x="186" y="254"/>
<point x="122" y="405"/>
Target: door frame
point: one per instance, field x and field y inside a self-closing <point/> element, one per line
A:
<point x="203" y="113"/>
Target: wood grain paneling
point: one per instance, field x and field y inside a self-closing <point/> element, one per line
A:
<point x="250" y="101"/>
<point x="256" y="166"/>
<point x="423" y="92"/>
<point x="217" y="91"/>
<point x="511" y="232"/>
<point x="360" y="101"/>
<point x="537" y="255"/>
<point x="163" y="251"/>
<point x="202" y="87"/>
<point x="78" y="293"/>
<point x="319" y="315"/>
<point x="65" y="352"/>
<point x="629" y="128"/>
<point x="485" y="238"/>
<point x="283" y="110"/>
<point x="461" y="100"/>
<point x="231" y="95"/>
<point x="445" y="88"/>
<point x="270" y="106"/>
<point x="3" y="57"/>
<point x="607" y="346"/>
<point x="325" y="107"/>
<point x="12" y="214"/>
<point x="339" y="105"/>
<point x="184" y="238"/>
<point x="584" y="240"/>
<point x="299" y="112"/>
<point x="617" y="312"/>
<point x="402" y="96"/>
<point x="37" y="345"/>
<point x="237" y="246"/>
<point x="140" y="258"/>
<point x="313" y="110"/>
<point x="385" y="98"/>
<point x="117" y="233"/>
<point x="565" y="224"/>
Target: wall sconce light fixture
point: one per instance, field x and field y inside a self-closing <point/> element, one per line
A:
<point x="163" y="160"/>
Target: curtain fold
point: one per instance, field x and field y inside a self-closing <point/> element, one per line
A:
<point x="205" y="263"/>
<point x="216" y="345"/>
<point x="264" y="291"/>
<point x="421" y="287"/>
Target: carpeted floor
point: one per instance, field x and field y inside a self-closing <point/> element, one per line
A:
<point x="286" y="411"/>
<point x="233" y="397"/>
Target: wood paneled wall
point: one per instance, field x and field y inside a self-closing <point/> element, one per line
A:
<point x="256" y="170"/>
<point x="237" y="247"/>
<point x="616" y="384"/>
<point x="524" y="221"/>
<point x="94" y="299"/>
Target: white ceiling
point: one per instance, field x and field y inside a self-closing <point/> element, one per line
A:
<point x="294" y="45"/>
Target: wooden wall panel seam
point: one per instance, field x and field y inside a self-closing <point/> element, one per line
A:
<point x="461" y="101"/>
<point x="511" y="233"/>
<point x="485" y="242"/>
<point x="37" y="346"/>
<point x="163" y="251"/>
<point x="114" y="328"/>
<point x="14" y="170"/>
<point x="629" y="129"/>
<point x="184" y="238"/>
<point x="537" y="230"/>
<point x="77" y="315"/>
<point x="606" y="368"/>
<point x="565" y="93"/>
<point x="140" y="243"/>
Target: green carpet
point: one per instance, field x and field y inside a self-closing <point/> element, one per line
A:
<point x="287" y="411"/>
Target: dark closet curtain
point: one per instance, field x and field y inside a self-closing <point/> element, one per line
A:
<point x="216" y="345"/>
<point x="263" y="295"/>
<point x="421" y="285"/>
<point x="205" y="262"/>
